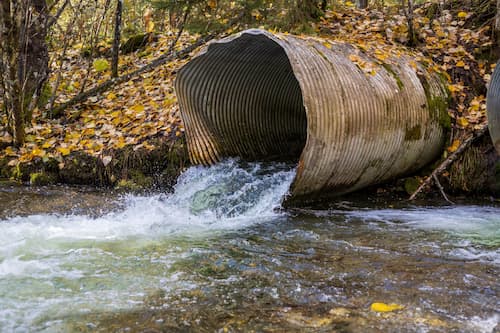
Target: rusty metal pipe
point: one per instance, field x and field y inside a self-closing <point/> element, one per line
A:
<point x="261" y="95"/>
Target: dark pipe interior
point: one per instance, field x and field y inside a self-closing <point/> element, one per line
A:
<point x="248" y="98"/>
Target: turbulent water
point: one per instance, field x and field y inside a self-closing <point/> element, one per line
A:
<point x="220" y="255"/>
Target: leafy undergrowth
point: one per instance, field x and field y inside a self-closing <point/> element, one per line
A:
<point x="462" y="54"/>
<point x="144" y="110"/>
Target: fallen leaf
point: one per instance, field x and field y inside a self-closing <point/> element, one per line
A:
<point x="454" y="146"/>
<point x="100" y="65"/>
<point x="106" y="160"/>
<point x="462" y="122"/>
<point x="382" y="307"/>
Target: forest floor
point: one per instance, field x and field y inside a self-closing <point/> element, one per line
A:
<point x="110" y="134"/>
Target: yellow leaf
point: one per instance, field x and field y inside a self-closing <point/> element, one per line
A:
<point x="47" y="144"/>
<point x="137" y="108"/>
<point x="327" y="45"/>
<point x="150" y="27"/>
<point x="462" y="14"/>
<point x="100" y="65"/>
<point x="454" y="146"/>
<point x="10" y="152"/>
<point x="460" y="63"/>
<point x="111" y="96"/>
<point x="116" y="114"/>
<point x="382" y="307"/>
<point x="462" y="122"/>
<point x="120" y="144"/>
<point x="455" y="88"/>
<point x="212" y="4"/>
<point x="64" y="151"/>
<point x="353" y="58"/>
<point x="88" y="132"/>
<point x="38" y="152"/>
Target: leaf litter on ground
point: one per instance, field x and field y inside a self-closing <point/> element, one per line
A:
<point x="144" y="109"/>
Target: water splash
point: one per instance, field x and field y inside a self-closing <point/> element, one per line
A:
<point x="53" y="265"/>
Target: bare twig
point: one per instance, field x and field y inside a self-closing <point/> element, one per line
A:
<point x="53" y="19"/>
<point x="449" y="160"/>
<point x="169" y="56"/>
<point x="441" y="189"/>
<point x="116" y="39"/>
<point x="93" y="43"/>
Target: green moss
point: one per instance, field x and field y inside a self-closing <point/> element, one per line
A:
<point x="135" y="43"/>
<point x="16" y="172"/>
<point x="411" y="185"/>
<point x="40" y="179"/>
<point x="414" y="133"/>
<point x="437" y="104"/>
<point x="127" y="185"/>
<point x="389" y="69"/>
<point x="140" y="179"/>
<point x="136" y="181"/>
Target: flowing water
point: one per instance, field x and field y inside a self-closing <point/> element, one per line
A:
<point x="219" y="255"/>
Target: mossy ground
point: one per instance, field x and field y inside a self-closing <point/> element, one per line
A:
<point x="129" y="169"/>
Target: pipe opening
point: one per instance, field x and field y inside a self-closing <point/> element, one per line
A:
<point x="248" y="99"/>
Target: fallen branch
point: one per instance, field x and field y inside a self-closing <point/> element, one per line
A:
<point x="448" y="161"/>
<point x="441" y="189"/>
<point x="105" y="86"/>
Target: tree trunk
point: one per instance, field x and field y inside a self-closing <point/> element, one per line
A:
<point x="33" y="54"/>
<point x="116" y="40"/>
<point x="24" y="60"/>
<point x="497" y="23"/>
<point x="11" y="86"/>
<point x="362" y="4"/>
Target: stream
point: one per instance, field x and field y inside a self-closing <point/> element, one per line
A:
<point x="219" y="255"/>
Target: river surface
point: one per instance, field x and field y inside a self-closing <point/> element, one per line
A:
<point x="219" y="255"/>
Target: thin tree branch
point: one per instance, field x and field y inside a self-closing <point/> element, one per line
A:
<point x="169" y="56"/>
<point x="53" y="19"/>
<point x="441" y="189"/>
<point x="449" y="160"/>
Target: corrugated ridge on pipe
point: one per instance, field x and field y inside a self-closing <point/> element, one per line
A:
<point x="267" y="96"/>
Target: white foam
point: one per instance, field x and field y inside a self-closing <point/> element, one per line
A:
<point x="54" y="265"/>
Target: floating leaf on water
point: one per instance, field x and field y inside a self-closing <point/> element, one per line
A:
<point x="383" y="307"/>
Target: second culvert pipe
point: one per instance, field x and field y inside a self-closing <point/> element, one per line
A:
<point x="349" y="119"/>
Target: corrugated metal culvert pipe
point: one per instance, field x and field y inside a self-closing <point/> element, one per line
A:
<point x="349" y="119"/>
<point x="493" y="107"/>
